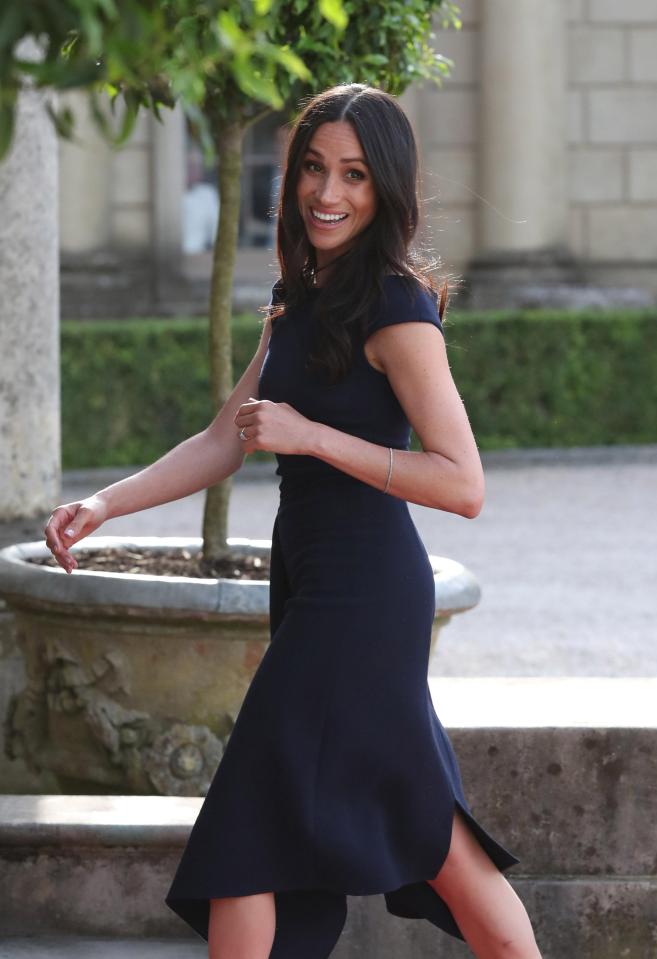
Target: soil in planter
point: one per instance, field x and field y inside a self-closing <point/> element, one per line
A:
<point x="171" y="561"/>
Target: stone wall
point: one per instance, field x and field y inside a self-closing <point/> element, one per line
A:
<point x="611" y="137"/>
<point x="447" y="128"/>
<point x="612" y="78"/>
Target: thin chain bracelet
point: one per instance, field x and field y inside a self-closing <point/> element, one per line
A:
<point x="385" y="488"/>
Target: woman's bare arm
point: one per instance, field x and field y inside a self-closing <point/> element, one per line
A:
<point x="198" y="462"/>
<point x="447" y="474"/>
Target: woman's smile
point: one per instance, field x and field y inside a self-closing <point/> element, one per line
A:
<point x="324" y="220"/>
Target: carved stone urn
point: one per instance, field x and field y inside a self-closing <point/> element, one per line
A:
<point x="134" y="681"/>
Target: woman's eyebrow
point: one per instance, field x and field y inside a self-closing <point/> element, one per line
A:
<point x="343" y="160"/>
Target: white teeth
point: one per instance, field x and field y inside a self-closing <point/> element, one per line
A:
<point x="328" y="217"/>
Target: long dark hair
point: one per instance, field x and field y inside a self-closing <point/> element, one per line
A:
<point x="343" y="304"/>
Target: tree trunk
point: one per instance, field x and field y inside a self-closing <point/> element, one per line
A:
<point x="228" y="139"/>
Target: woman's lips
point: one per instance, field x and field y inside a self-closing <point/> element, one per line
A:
<point x="325" y="224"/>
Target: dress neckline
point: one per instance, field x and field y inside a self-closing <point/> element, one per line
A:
<point x="316" y="289"/>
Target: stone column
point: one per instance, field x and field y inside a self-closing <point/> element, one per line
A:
<point x="29" y="313"/>
<point x="523" y="214"/>
<point x="409" y="101"/>
<point x="85" y="184"/>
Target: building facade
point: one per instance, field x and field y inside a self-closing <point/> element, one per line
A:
<point x="538" y="161"/>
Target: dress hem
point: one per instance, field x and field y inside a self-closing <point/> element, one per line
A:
<point x="412" y="898"/>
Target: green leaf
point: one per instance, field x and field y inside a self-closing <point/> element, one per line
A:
<point x="109" y="8"/>
<point x="292" y="63"/>
<point x="262" y="88"/>
<point x="334" y="13"/>
<point x="201" y="127"/>
<point x="7" y="121"/>
<point x="132" y="103"/>
<point x="68" y="47"/>
<point x="12" y="25"/>
<point x="81" y="74"/>
<point x="230" y="32"/>
<point x="64" y="120"/>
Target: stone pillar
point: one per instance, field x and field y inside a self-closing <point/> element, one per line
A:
<point x="29" y="314"/>
<point x="85" y="184"/>
<point x="409" y="101"/>
<point x="523" y="214"/>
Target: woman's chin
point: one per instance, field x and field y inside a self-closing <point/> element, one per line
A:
<point x="329" y="244"/>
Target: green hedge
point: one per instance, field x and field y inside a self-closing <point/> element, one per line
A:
<point x="133" y="389"/>
<point x="557" y="378"/>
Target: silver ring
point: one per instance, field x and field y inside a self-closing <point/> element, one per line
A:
<point x="242" y="436"/>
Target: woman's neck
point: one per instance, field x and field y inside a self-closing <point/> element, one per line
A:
<point x="322" y="271"/>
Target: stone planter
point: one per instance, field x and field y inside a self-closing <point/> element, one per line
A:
<point x="134" y="681"/>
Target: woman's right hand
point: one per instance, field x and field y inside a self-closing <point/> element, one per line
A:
<point x="70" y="523"/>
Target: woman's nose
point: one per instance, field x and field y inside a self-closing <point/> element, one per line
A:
<point x="329" y="193"/>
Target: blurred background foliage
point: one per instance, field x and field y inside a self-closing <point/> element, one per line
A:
<point x="230" y="57"/>
<point x="527" y="378"/>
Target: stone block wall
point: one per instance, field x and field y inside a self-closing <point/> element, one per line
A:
<point x="611" y="123"/>
<point x="612" y="81"/>
<point x="448" y="132"/>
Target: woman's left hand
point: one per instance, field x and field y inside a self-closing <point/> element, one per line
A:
<point x="276" y="427"/>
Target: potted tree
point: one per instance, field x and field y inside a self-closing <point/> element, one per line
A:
<point x="134" y="679"/>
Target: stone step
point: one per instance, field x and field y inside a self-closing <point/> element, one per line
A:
<point x="560" y="770"/>
<point x="82" y="947"/>
<point x="557" y="702"/>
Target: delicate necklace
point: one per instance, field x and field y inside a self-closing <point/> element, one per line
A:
<point x="315" y="270"/>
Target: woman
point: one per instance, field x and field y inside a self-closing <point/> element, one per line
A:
<point x="338" y="778"/>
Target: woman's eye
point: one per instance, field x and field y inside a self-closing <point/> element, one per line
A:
<point x="311" y="163"/>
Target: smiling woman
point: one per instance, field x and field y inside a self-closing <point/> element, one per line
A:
<point x="338" y="778"/>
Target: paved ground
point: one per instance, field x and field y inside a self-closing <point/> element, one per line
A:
<point x="73" y="947"/>
<point x="564" y="550"/>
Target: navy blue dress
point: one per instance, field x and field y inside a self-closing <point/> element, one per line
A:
<point x="338" y="777"/>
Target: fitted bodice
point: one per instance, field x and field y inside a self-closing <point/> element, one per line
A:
<point x="363" y="403"/>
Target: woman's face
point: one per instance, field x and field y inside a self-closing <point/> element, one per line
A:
<point x="334" y="179"/>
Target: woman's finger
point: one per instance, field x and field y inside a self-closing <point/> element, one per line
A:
<point x="60" y="517"/>
<point x="57" y="549"/>
<point x="62" y="556"/>
<point x="57" y="519"/>
<point x="245" y="413"/>
<point x="247" y="407"/>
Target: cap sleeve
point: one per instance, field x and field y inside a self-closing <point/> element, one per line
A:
<point x="403" y="303"/>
